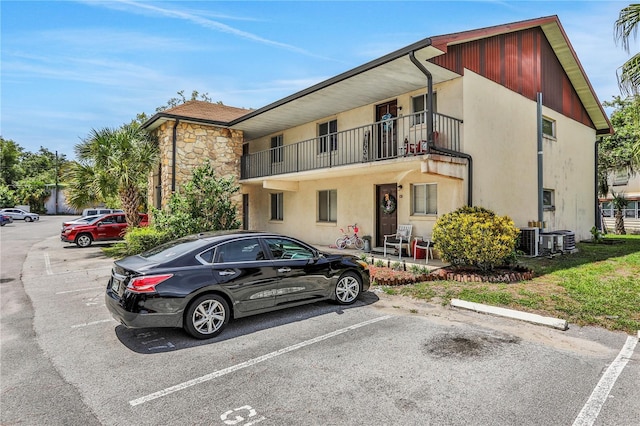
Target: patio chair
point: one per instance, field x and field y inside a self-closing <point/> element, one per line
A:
<point x="422" y="243"/>
<point x="397" y="240"/>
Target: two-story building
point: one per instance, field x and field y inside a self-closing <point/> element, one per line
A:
<point x="501" y="117"/>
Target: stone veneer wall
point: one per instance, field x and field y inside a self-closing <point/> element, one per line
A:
<point x="194" y="144"/>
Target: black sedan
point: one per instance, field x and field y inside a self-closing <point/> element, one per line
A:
<point x="202" y="281"/>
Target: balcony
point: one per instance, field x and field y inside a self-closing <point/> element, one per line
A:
<point x="384" y="140"/>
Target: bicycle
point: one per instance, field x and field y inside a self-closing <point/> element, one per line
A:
<point x="351" y="241"/>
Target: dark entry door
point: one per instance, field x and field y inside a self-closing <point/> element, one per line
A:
<point x="387" y="132"/>
<point x="245" y="211"/>
<point x="387" y="211"/>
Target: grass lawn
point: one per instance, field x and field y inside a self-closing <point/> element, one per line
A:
<point x="599" y="285"/>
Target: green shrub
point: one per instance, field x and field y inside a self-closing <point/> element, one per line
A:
<point x="475" y="236"/>
<point x="205" y="203"/>
<point x="136" y="241"/>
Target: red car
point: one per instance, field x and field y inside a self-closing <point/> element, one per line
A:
<point x="103" y="228"/>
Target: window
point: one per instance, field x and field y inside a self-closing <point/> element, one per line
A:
<point x="631" y="211"/>
<point x="419" y="106"/>
<point x="246" y="250"/>
<point x="607" y="209"/>
<point x="424" y="198"/>
<point x="548" y="199"/>
<point x="548" y="127"/>
<point x="620" y="178"/>
<point x="277" y="206"/>
<point x="282" y="248"/>
<point x="328" y="136"/>
<point x="328" y="206"/>
<point x="276" y="149"/>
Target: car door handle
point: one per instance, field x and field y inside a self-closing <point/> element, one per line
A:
<point x="283" y="270"/>
<point x="226" y="272"/>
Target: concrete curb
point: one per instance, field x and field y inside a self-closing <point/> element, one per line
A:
<point x="510" y="313"/>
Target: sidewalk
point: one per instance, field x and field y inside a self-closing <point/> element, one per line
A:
<point x="376" y="254"/>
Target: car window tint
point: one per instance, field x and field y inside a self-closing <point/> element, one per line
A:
<point x="245" y="250"/>
<point x="172" y="249"/>
<point x="282" y="248"/>
<point x="207" y="256"/>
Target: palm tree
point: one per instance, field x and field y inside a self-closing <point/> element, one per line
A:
<point x="114" y="162"/>
<point x="627" y="25"/>
<point x="619" y="204"/>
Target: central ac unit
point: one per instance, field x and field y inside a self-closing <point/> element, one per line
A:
<point x="529" y="241"/>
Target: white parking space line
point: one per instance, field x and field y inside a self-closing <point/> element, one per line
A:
<point x="47" y="264"/>
<point x="249" y="363"/>
<point x="590" y="411"/>
<point x="86" y="324"/>
<point x="81" y="289"/>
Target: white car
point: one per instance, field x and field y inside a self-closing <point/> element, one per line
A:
<point x="18" y="214"/>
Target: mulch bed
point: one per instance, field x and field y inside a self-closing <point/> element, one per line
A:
<point x="388" y="276"/>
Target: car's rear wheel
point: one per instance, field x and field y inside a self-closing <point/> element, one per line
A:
<point x="348" y="288"/>
<point x="28" y="219"/>
<point x="207" y="316"/>
<point x="84" y="240"/>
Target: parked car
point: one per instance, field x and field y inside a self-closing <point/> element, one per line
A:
<point x="19" y="214"/>
<point x="107" y="227"/>
<point x="80" y="221"/>
<point x="4" y="219"/>
<point x="99" y="211"/>
<point x="201" y="281"/>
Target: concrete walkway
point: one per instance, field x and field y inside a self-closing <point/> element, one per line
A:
<point x="376" y="254"/>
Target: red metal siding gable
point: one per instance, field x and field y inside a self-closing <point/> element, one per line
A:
<point x="522" y="61"/>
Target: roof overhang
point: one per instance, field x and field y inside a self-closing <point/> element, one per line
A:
<point x="384" y="78"/>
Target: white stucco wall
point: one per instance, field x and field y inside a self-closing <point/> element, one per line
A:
<point x="501" y="136"/>
<point x="356" y="204"/>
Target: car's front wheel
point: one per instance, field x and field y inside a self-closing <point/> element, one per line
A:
<point x="28" y="219"/>
<point x="348" y="288"/>
<point x="84" y="240"/>
<point x="207" y="316"/>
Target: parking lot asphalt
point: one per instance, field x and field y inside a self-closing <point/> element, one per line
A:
<point x="385" y="360"/>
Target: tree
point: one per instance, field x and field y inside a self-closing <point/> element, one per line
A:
<point x="10" y="171"/>
<point x="626" y="26"/>
<point x="620" y="150"/>
<point x="619" y="204"/>
<point x="114" y="162"/>
<point x="181" y="99"/>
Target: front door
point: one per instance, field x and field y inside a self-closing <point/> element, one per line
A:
<point x="387" y="211"/>
<point x="387" y="132"/>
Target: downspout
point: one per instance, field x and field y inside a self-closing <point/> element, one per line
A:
<point x="540" y="168"/>
<point x="430" y="141"/>
<point x="174" y="143"/>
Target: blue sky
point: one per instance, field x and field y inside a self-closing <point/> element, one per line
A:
<point x="71" y="66"/>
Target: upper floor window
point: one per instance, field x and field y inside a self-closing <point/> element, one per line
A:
<point x="328" y="136"/>
<point x="548" y="127"/>
<point x="419" y="108"/>
<point x="328" y="206"/>
<point x="276" y="149"/>
<point x="424" y="199"/>
<point x="277" y="206"/>
<point x="620" y="177"/>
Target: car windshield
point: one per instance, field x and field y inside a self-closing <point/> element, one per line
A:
<point x="172" y="249"/>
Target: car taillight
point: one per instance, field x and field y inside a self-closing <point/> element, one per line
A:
<point x="146" y="284"/>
